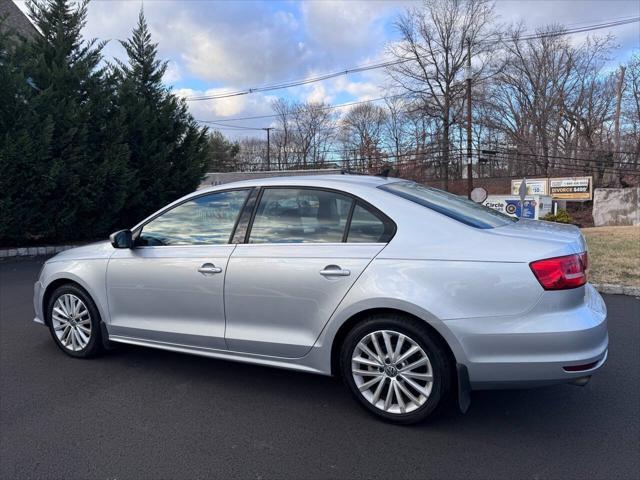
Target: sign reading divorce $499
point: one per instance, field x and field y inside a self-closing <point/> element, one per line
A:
<point x="571" y="188"/>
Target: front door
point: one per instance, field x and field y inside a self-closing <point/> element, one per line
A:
<point x="169" y="287"/>
<point x="300" y="261"/>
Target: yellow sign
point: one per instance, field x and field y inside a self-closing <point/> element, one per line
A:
<point x="571" y="188"/>
<point x="535" y="186"/>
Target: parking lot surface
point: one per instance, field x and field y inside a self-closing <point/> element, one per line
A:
<point x="142" y="413"/>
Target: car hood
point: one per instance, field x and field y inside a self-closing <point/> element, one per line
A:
<point x="102" y="249"/>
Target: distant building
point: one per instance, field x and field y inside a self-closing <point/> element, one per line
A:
<point x="228" y="177"/>
<point x="12" y="18"/>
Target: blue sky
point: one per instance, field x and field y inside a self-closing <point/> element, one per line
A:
<point x="218" y="46"/>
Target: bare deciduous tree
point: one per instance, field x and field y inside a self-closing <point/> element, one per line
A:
<point x="283" y="136"/>
<point x="362" y="129"/>
<point x="543" y="104"/>
<point x="434" y="43"/>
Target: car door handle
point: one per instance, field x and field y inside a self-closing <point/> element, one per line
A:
<point x="335" y="271"/>
<point x="209" y="268"/>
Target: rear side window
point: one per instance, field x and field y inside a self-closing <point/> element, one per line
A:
<point x="367" y="227"/>
<point x="298" y="215"/>
<point x="453" y="206"/>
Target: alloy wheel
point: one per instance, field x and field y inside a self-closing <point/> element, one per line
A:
<point x="71" y="322"/>
<point x="392" y="371"/>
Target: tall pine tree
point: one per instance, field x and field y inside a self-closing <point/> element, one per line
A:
<point x="63" y="146"/>
<point x="21" y="146"/>
<point x="168" y="149"/>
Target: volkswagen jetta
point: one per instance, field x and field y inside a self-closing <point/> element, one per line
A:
<point x="412" y="295"/>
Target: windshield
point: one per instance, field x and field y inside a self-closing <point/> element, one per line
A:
<point x="453" y="206"/>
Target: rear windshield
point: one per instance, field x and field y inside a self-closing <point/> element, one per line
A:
<point x="453" y="206"/>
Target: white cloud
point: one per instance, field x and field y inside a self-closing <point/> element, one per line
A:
<point x="224" y="108"/>
<point x="211" y="109"/>
<point x="570" y="13"/>
<point x="172" y="75"/>
<point x="318" y="94"/>
<point x="232" y="45"/>
<point x="339" y="30"/>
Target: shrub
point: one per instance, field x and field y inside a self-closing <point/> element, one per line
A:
<point x="562" y="216"/>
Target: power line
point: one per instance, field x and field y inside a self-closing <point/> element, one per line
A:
<point x="325" y="107"/>
<point x="378" y="156"/>
<point x="296" y="83"/>
<point x="361" y="163"/>
<point x="375" y="66"/>
<point x="505" y="156"/>
<point x="561" y="32"/>
<point x="229" y="127"/>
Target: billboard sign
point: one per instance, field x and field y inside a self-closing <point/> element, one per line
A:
<point x="571" y="188"/>
<point x="535" y="186"/>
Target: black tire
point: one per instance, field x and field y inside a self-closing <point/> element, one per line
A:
<point x="94" y="346"/>
<point x="443" y="372"/>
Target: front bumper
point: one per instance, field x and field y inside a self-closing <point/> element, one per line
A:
<point x="565" y="328"/>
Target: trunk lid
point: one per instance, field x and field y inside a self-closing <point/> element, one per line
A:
<point x="552" y="239"/>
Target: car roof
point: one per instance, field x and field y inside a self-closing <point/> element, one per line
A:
<point x="336" y="181"/>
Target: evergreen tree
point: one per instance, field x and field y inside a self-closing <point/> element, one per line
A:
<point x="21" y="146"/>
<point x="222" y="153"/>
<point x="62" y="144"/>
<point x="168" y="149"/>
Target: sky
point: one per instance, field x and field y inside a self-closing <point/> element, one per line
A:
<point x="219" y="46"/>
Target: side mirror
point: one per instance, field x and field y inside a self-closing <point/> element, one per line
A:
<point x="121" y="239"/>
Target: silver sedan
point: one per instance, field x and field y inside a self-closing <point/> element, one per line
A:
<point x="411" y="295"/>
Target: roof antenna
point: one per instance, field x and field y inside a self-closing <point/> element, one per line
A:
<point x="384" y="173"/>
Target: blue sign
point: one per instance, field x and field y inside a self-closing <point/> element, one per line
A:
<point x="513" y="208"/>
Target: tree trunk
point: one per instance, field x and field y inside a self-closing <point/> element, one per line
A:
<point x="445" y="144"/>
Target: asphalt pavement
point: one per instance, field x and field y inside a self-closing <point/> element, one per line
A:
<point x="143" y="413"/>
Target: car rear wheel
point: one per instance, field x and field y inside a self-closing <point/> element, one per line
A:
<point x="74" y="322"/>
<point x="395" y="368"/>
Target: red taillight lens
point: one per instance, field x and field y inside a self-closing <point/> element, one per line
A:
<point x="560" y="273"/>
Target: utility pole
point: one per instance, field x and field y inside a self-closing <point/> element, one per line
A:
<point x="618" y="106"/>
<point x="469" y="144"/>
<point x="268" y="129"/>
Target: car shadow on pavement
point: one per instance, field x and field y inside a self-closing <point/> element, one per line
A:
<point x="556" y="405"/>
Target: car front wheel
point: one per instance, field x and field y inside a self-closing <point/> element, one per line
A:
<point x="74" y="322"/>
<point x="396" y="368"/>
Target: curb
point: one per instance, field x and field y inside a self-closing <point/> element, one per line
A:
<point x="612" y="289"/>
<point x="34" y="251"/>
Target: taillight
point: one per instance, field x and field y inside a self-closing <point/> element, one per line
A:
<point x="561" y="273"/>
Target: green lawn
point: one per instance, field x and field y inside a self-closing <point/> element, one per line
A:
<point x="614" y="255"/>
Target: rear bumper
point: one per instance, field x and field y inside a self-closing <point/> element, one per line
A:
<point x="564" y="329"/>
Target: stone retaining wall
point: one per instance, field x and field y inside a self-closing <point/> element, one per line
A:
<point x="616" y="206"/>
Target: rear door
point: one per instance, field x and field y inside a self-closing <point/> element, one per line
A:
<point x="298" y="262"/>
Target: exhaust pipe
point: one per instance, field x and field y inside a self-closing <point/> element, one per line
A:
<point x="580" y="382"/>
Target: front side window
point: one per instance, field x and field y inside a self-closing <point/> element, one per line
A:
<point x="205" y="220"/>
<point x="453" y="206"/>
<point x="298" y="215"/>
